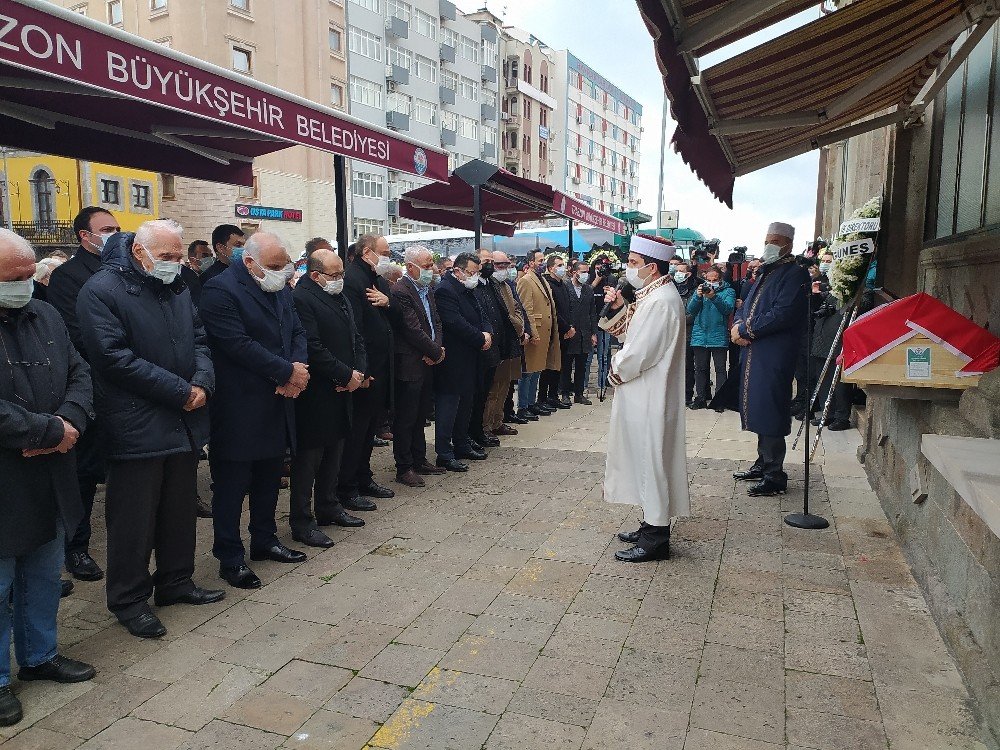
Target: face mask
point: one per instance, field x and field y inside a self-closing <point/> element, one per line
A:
<point x="437" y="278"/>
<point x="16" y="294"/>
<point x="771" y="254"/>
<point x="584" y="278"/>
<point x="472" y="282"/>
<point x="426" y="277"/>
<point x="164" y="270"/>
<point x="714" y="284"/>
<point x="680" y="277"/>
<point x="237" y="255"/>
<point x="382" y="264"/>
<point x="205" y="263"/>
<point x="488" y="270"/>
<point x="560" y="273"/>
<point x="501" y="275"/>
<point x="273" y="281"/>
<point x="632" y="275"/>
<point x="825" y="267"/>
<point x="334" y="287"/>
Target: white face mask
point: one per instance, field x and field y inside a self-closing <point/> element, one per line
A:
<point x="334" y="287"/>
<point x="680" y="276"/>
<point x="584" y="278"/>
<point x="164" y="270"/>
<point x="16" y="294"/>
<point x="632" y="275"/>
<point x="825" y="267"/>
<point x="472" y="282"/>
<point x="771" y="254"/>
<point x="560" y="272"/>
<point x="273" y="281"/>
<point x="499" y="275"/>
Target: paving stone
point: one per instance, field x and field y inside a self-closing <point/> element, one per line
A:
<point x="436" y="628"/>
<point x="592" y="604"/>
<point x="702" y="739"/>
<point x="557" y="707"/>
<point x="593" y="627"/>
<point x="823" y="628"/>
<point x="313" y="683"/>
<point x="287" y="590"/>
<point x="329" y="730"/>
<point x="521" y="732"/>
<point x="368" y="699"/>
<point x="493" y="657"/>
<point x="328" y="604"/>
<point x="745" y="710"/>
<point x="134" y="733"/>
<point x="402" y="664"/>
<point x="746" y="632"/>
<point x="743" y="665"/>
<point x="36" y="738"/>
<point x="616" y="586"/>
<point x="40" y="699"/>
<point x="469" y="595"/>
<point x="619" y="724"/>
<point x="418" y="725"/>
<point x="465" y="690"/>
<point x="179" y="657"/>
<point x="653" y="679"/>
<point x="748" y="603"/>
<point x="922" y="719"/>
<point x="549" y="579"/>
<point x="533" y="632"/>
<point x="840" y="658"/>
<point x="564" y="676"/>
<point x="816" y="579"/>
<point x="102" y="706"/>
<point x="273" y="644"/>
<point x="527" y="608"/>
<point x="219" y="735"/>
<point x="671" y="637"/>
<point x="270" y="710"/>
<point x="395" y="606"/>
<point x="350" y="645"/>
<point x="240" y="619"/>
<point x="819" y="603"/>
<point x="829" y="694"/>
<point x="832" y="732"/>
<point x="571" y="649"/>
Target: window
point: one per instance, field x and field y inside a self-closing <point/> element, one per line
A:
<point x="425" y="68"/>
<point x="543" y="117"/>
<point x="398" y="56"/>
<point x="489" y="134"/>
<point x="42" y="184"/>
<point x="368" y="185"/>
<point x="368" y="226"/>
<point x="526" y="143"/>
<point x="399" y="9"/>
<point x="242" y="60"/>
<point x="168" y="190"/>
<point x="397" y="102"/>
<point x="140" y="196"/>
<point x="111" y="192"/>
<point x="449" y="80"/>
<point x="243" y="5"/>
<point x="468" y="128"/>
<point x="157" y="4"/>
<point x="449" y="120"/>
<point x="399" y="187"/>
<point x="489" y="53"/>
<point x="469" y="89"/>
<point x="364" y="43"/>
<point x="488" y="96"/>
<point x="425" y="24"/>
<point x="425" y="112"/>
<point x="336" y="40"/>
<point x="469" y="49"/>
<point x="450" y="37"/>
<point x="527" y="108"/>
<point x="115" y="12"/>
<point x="365" y="92"/>
<point x="336" y="95"/>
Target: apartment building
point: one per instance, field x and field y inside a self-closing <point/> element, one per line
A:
<point x="424" y="69"/>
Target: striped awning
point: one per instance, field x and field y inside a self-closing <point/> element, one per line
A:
<point x="861" y="67"/>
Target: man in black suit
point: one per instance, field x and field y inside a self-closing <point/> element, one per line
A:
<point x="337" y="362"/>
<point x="496" y="313"/>
<point x="418" y="349"/>
<point x="555" y="277"/>
<point x="583" y="317"/>
<point x="93" y="226"/>
<point x="226" y="240"/>
<point x="368" y="294"/>
<point x="467" y="333"/>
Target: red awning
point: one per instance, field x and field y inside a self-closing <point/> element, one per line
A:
<point x="862" y="67"/>
<point x="506" y="201"/>
<point x="75" y="87"/>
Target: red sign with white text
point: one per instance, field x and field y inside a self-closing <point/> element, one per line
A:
<point x="576" y="210"/>
<point x="40" y="41"/>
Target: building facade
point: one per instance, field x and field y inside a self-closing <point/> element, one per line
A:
<point x="424" y="69"/>
<point x="298" y="46"/>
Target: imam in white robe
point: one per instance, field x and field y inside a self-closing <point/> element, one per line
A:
<point x="647" y="460"/>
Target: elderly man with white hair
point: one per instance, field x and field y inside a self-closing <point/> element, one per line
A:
<point x="259" y="348"/>
<point x="45" y="401"/>
<point x="153" y="376"/>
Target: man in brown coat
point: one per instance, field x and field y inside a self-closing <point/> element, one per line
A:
<point x="542" y="350"/>
<point x="509" y="368"/>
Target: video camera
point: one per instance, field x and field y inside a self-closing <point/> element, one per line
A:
<point x="704" y="251"/>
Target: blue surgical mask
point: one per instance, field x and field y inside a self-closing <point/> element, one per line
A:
<point x="680" y="276"/>
<point x="237" y="255"/>
<point x="426" y="277"/>
<point x="16" y="294"/>
<point x="560" y="272"/>
<point x="166" y="271"/>
<point x="825" y="267"/>
<point x="584" y="278"/>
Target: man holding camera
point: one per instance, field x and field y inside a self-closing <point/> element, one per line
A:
<point x="711" y="305"/>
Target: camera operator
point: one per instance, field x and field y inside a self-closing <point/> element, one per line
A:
<point x="711" y="305"/>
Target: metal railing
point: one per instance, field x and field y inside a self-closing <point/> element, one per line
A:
<point x="46" y="232"/>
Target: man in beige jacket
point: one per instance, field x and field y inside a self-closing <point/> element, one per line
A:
<point x="542" y="350"/>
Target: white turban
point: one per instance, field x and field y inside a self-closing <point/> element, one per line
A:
<point x="782" y="230"/>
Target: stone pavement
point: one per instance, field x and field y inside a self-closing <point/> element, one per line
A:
<point x="487" y="611"/>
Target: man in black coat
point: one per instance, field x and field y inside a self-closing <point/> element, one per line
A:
<point x="337" y="362"/>
<point x="577" y="348"/>
<point x="496" y="313"/>
<point x="418" y="343"/>
<point x="555" y="277"/>
<point x="45" y="401"/>
<point x="153" y="377"/>
<point x="368" y="294"/>
<point x="93" y="226"/>
<point x="260" y="352"/>
<point x="467" y="333"/>
<point x="227" y="239"/>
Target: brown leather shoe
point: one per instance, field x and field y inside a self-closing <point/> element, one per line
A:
<point x="411" y="479"/>
<point x="428" y="468"/>
<point x="504" y="429"/>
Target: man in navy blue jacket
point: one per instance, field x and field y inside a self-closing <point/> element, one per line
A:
<point x="153" y="377"/>
<point x="259" y="348"/>
<point x="769" y="328"/>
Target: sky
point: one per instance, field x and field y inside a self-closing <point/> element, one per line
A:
<point x="784" y="192"/>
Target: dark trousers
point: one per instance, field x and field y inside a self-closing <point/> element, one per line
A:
<point x="413" y="404"/>
<point x="91" y="470"/>
<point x="451" y="423"/>
<point x="484" y="381"/>
<point x="231" y="481"/>
<point x="574" y="382"/>
<point x="508" y="405"/>
<point x="548" y="385"/>
<point x="368" y="411"/>
<point x="688" y="371"/>
<point x="151" y="505"/>
<point x="771" y="458"/>
<point x="803" y="387"/>
<point x="840" y="405"/>
<point x="313" y="483"/>
<point x="703" y="357"/>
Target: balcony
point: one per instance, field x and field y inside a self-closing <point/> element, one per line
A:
<point x="513" y="122"/>
<point x="489" y="151"/>
<point x="397" y="121"/>
<point x="488" y="32"/>
<point x="447" y="53"/>
<point x="512" y="155"/>
<point x="396" y="28"/>
<point x="488" y="113"/>
<point x="46" y="232"/>
<point x="446" y="95"/>
<point x="392" y="207"/>
<point x="396" y="74"/>
<point x="448" y="137"/>
<point x="489" y="74"/>
<point x="447" y="10"/>
<point x="510" y="84"/>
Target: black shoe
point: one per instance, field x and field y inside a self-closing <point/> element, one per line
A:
<point x="359" y="503"/>
<point x="204" y="508"/>
<point x="541" y="408"/>
<point x="197" y="595"/>
<point x="583" y="400"/>
<point x="452" y="464"/>
<point x="632" y="537"/>
<point x="145" y="625"/>
<point x="816" y="422"/>
<point x="10" y="708"/>
<point x="279" y="553"/>
<point x="565" y="403"/>
<point x="60" y="669"/>
<point x="766" y="488"/>
<point x="698" y="403"/>
<point x="82" y="567"/>
<point x="379" y="442"/>
<point x="489" y="441"/>
<point x="471" y="455"/>
<point x="560" y="404"/>
<point x="753" y="474"/>
<point x="314" y="538"/>
<point x="526" y="415"/>
<point x="376" y="490"/>
<point x="240" y="577"/>
<point x="639" y="554"/>
<point x="839" y="425"/>
<point x="67" y="588"/>
<point x="516" y="419"/>
<point x="340" y="517"/>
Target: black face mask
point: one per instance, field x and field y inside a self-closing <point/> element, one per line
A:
<point x="487" y="269"/>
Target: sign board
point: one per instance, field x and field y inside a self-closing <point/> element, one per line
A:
<point x="576" y="210"/>
<point x="246" y="211"/>
<point x="543" y="132"/>
<point x="860" y="226"/>
<point x="670" y="219"/>
<point x="847" y="249"/>
<point x="918" y="363"/>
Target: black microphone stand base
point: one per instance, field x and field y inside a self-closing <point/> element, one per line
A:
<point x="806" y="521"/>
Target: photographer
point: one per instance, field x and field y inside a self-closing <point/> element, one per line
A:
<point x="711" y="305"/>
<point x="602" y="274"/>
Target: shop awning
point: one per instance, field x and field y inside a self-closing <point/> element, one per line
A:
<point x="75" y="87"/>
<point x="862" y="67"/>
<point x="506" y="200"/>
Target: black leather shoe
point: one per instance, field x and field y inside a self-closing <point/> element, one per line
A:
<point x="839" y="425"/>
<point x="145" y="625"/>
<point x="358" y="503"/>
<point x="557" y="404"/>
<point x="60" y="669"/>
<point x="753" y="474"/>
<point x="67" y="588"/>
<point x="376" y="490"/>
<point x="476" y="446"/>
<point x="279" y="553"/>
<point x="10" y="708"/>
<point x="197" y="595"/>
<point x="340" y="518"/>
<point x="83" y="567"/>
<point x="766" y="488"/>
<point x="526" y="415"/>
<point x="565" y="403"/>
<point x="698" y="404"/>
<point x="240" y="577"/>
<point x="541" y="408"/>
<point x="379" y="442"/>
<point x="204" y="507"/>
<point x="471" y="455"/>
<point x="639" y="554"/>
<point x="314" y="538"/>
<point x="632" y="537"/>
<point x="584" y="400"/>
<point x="517" y="419"/>
<point x="490" y="441"/>
<point x="452" y="464"/>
